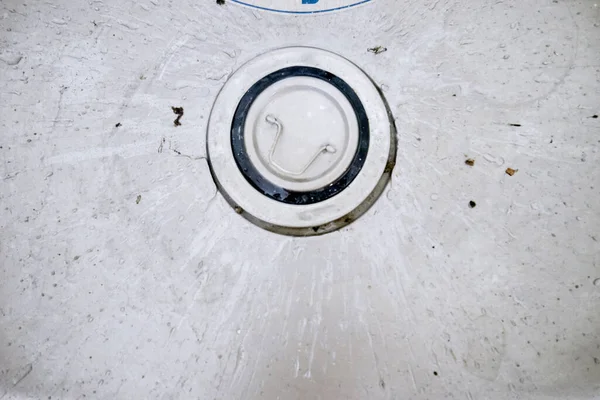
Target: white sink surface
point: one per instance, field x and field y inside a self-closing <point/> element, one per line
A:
<point x="125" y="275"/>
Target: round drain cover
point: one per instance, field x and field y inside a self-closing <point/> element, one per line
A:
<point x="300" y="141"/>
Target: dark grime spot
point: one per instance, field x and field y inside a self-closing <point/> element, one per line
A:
<point x="179" y="112"/>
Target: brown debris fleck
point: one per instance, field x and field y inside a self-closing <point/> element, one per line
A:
<point x="179" y="112"/>
<point x="470" y="162"/>
<point x="377" y="50"/>
<point x="511" y="172"/>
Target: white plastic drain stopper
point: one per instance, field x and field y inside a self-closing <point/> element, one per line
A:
<point x="300" y="141"/>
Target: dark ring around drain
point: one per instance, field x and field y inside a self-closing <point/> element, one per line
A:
<point x="277" y="192"/>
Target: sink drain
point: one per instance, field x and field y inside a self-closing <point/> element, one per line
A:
<point x="300" y="141"/>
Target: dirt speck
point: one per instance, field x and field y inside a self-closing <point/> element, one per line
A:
<point x="118" y="124"/>
<point x="515" y="125"/>
<point x="220" y="2"/>
<point x="381" y="383"/>
<point x="138" y="199"/>
<point x="238" y="209"/>
<point x="594" y="116"/>
<point x="377" y="50"/>
<point x="179" y="112"/>
<point x="472" y="204"/>
<point x="75" y="258"/>
<point x="435" y="373"/>
<point x="511" y="172"/>
<point x="470" y="162"/>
